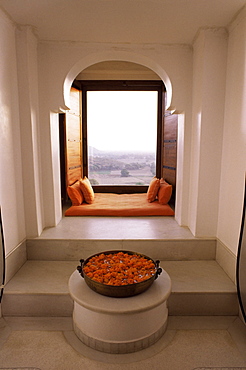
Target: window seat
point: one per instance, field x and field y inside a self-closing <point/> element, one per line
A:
<point x="110" y="204"/>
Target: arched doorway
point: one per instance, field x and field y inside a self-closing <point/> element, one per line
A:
<point x="120" y="71"/>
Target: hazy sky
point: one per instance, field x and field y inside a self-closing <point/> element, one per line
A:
<point x="122" y="120"/>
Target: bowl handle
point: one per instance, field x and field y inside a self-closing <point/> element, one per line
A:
<point x="80" y="269"/>
<point x="159" y="269"/>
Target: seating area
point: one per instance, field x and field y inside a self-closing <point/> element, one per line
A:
<point x="87" y="203"/>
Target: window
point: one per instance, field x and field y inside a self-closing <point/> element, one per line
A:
<point x="76" y="148"/>
<point x="121" y="137"/>
<point x="129" y="179"/>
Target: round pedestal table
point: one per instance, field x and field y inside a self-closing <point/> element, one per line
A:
<point x="120" y="325"/>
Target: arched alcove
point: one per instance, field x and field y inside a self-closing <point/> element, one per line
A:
<point x="117" y="70"/>
<point x="60" y="98"/>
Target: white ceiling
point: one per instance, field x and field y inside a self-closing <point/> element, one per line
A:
<point x="124" y="21"/>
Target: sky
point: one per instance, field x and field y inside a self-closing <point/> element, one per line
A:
<point x="122" y="120"/>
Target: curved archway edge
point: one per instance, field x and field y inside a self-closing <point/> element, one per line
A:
<point x="94" y="58"/>
<point x="116" y="56"/>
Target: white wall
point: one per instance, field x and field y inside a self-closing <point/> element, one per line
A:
<point x="27" y="70"/>
<point x="60" y="63"/>
<point x="11" y="189"/>
<point x="233" y="167"/>
<point x="209" y="76"/>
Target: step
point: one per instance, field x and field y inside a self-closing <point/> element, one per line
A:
<point x="40" y="288"/>
<point x="200" y="288"/>
<point x="162" y="249"/>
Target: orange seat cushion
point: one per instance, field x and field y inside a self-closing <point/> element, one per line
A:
<point x="130" y="205"/>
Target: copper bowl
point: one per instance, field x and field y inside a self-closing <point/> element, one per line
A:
<point x="120" y="291"/>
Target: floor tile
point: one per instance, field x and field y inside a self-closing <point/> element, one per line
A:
<point x="43" y="345"/>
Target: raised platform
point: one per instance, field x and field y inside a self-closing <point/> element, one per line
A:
<point x="120" y="325"/>
<point x="40" y="288"/>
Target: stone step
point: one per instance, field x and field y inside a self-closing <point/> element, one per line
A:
<point x="200" y="288"/>
<point x="40" y="288"/>
<point x="162" y="249"/>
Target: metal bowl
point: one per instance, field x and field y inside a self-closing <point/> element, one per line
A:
<point x="120" y="291"/>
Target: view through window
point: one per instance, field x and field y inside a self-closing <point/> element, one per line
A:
<point x="122" y="137"/>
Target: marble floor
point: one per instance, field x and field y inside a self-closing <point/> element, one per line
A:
<point x="189" y="343"/>
<point x="117" y="228"/>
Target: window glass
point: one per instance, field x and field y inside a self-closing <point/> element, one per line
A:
<point x="121" y="134"/>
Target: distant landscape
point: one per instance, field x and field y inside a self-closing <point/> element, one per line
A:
<point x="121" y="168"/>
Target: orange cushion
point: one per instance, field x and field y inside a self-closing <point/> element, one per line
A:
<point x="153" y="189"/>
<point x="87" y="190"/>
<point x="75" y="194"/>
<point x="165" y="192"/>
<point x="122" y="205"/>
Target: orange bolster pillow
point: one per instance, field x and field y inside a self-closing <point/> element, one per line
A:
<point x="87" y="190"/>
<point x="153" y="189"/>
<point x="75" y="194"/>
<point x="165" y="192"/>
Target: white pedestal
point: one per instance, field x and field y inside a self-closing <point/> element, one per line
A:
<point x="120" y="325"/>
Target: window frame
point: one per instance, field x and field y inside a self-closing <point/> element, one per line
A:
<point x="119" y="85"/>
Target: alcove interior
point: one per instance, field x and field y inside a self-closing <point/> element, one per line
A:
<point x="125" y="73"/>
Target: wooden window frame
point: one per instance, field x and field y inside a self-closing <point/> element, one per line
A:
<point x="119" y="85"/>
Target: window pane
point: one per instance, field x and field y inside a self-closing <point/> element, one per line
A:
<point x="121" y="132"/>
